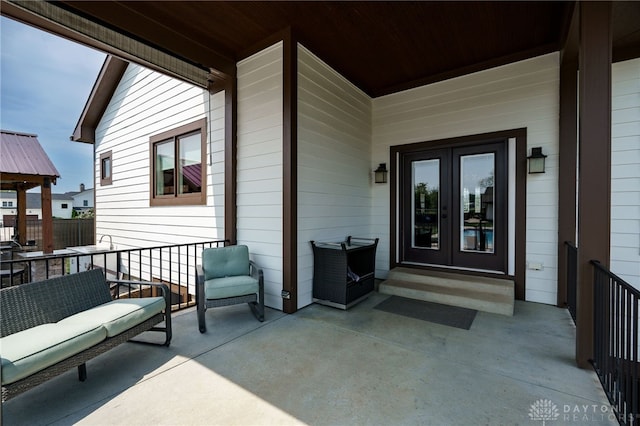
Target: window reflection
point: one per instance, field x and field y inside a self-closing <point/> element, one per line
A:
<point x="477" y="202"/>
<point x="426" y="203"/>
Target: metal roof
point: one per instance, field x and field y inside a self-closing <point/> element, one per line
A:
<point x="21" y="158"/>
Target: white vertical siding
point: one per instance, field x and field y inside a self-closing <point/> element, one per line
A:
<point x="625" y="171"/>
<point x="144" y="104"/>
<point x="522" y="94"/>
<point x="334" y="168"/>
<point x="259" y="166"/>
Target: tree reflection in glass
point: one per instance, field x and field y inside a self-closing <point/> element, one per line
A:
<point x="477" y="202"/>
<point x="426" y="203"/>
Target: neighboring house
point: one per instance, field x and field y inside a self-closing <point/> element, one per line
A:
<point x="61" y="205"/>
<point x="83" y="200"/>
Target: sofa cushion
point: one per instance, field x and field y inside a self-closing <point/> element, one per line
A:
<point x="220" y="288"/>
<point x="119" y="315"/>
<point x="34" y="349"/>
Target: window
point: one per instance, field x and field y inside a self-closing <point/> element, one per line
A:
<point x="178" y="166"/>
<point x="7" y="204"/>
<point x="85" y="203"/>
<point x="106" y="164"/>
<point x="65" y="206"/>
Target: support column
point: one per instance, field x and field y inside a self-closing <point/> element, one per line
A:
<point x="290" y="175"/>
<point x="230" y="158"/>
<point x="47" y="217"/>
<point x="594" y="187"/>
<point x="568" y="152"/>
<point x="21" y="220"/>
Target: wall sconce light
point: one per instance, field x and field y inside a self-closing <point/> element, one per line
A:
<point x="381" y="173"/>
<point x="536" y="161"/>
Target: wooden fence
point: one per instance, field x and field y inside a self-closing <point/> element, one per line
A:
<point x="66" y="232"/>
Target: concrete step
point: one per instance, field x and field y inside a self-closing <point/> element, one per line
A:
<point x="481" y="293"/>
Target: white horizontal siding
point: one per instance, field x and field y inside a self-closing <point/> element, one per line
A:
<point x="146" y="103"/>
<point x="625" y="171"/>
<point x="334" y="168"/>
<point x="519" y="95"/>
<point x="259" y="165"/>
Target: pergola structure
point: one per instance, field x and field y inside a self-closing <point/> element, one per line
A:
<point x="23" y="166"/>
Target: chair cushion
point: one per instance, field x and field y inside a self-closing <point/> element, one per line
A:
<point x="37" y="348"/>
<point x="227" y="261"/>
<point x="119" y="315"/>
<point x="219" y="288"/>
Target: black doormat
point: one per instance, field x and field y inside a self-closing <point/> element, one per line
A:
<point x="451" y="316"/>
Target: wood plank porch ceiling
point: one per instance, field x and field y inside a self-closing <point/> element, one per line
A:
<point x="381" y="47"/>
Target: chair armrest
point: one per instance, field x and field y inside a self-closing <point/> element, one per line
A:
<point x="256" y="272"/>
<point x="199" y="274"/>
<point x="200" y="286"/>
<point x="166" y="294"/>
<point x="116" y="284"/>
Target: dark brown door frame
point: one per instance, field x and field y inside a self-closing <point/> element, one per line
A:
<point x="520" y="136"/>
<point x="449" y="225"/>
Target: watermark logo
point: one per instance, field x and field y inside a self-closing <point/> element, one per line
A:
<point x="544" y="410"/>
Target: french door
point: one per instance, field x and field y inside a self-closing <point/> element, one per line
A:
<point x="453" y="207"/>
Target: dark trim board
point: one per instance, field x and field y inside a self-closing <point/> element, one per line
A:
<point x="290" y="174"/>
<point x="520" y="136"/>
<point x="230" y="159"/>
<point x="594" y="186"/>
<point x="567" y="153"/>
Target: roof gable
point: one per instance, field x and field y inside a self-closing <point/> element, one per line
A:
<point x="103" y="89"/>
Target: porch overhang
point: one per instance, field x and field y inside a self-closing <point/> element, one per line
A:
<point x="382" y="47"/>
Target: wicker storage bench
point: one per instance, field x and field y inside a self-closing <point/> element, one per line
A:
<point x="51" y="326"/>
<point x="343" y="273"/>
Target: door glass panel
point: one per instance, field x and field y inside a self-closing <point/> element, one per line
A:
<point x="477" y="202"/>
<point x="425" y="181"/>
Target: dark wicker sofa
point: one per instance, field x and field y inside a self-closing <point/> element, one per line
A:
<point x="51" y="326"/>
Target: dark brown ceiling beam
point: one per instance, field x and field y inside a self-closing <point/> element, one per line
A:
<point x="129" y="21"/>
<point x="14" y="181"/>
<point x="72" y="26"/>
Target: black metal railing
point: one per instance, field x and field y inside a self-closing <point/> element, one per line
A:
<point x="173" y="265"/>
<point x="572" y="279"/>
<point x="616" y="343"/>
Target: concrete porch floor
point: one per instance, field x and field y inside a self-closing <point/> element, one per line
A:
<point x="324" y="366"/>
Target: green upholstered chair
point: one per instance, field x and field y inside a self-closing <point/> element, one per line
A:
<point x="228" y="277"/>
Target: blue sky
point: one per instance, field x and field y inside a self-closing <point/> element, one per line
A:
<point x="45" y="81"/>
